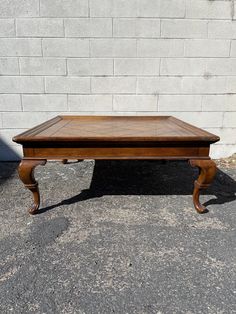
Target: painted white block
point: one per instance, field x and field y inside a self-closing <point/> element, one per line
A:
<point x="113" y="8"/>
<point x="20" y="47"/>
<point x="208" y="9"/>
<point x="65" y="47"/>
<point x="172" y="8"/>
<point x="113" y="85"/>
<point x="183" y="28"/>
<point x="40" y="27"/>
<point x="207" y="48"/>
<point x="90" y="102"/>
<point x="135" y="103"/>
<point x="7" y="28"/>
<point x="219" y="103"/>
<point x="222" y="29"/>
<point x="160" y="48"/>
<point x="148" y="85"/>
<point x="42" y="66"/>
<point x="64" y="8"/>
<point x="22" y="120"/>
<point x="159" y="85"/>
<point x="205" y="85"/>
<point x="88" y="27"/>
<point x="62" y="85"/>
<point x="46" y="102"/>
<point x="229" y="119"/>
<point x="146" y="8"/>
<point x="9" y="66"/>
<point x="21" y="84"/>
<point x="137" y="8"/>
<point x="231" y="85"/>
<point x="90" y="66"/>
<point x="186" y="85"/>
<point x="225" y="66"/>
<point x="132" y="27"/>
<point x="159" y="8"/>
<point x="136" y="66"/>
<point x="113" y="48"/>
<point x="233" y="48"/>
<point x="14" y="8"/>
<point x="10" y="102"/>
<point x="179" y="103"/>
<point x="183" y="66"/>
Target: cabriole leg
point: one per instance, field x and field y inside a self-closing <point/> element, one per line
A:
<point x="26" y="174"/>
<point x="207" y="174"/>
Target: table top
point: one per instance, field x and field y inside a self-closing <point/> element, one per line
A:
<point x="115" y="128"/>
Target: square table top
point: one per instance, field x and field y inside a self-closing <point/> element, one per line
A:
<point x="115" y="128"/>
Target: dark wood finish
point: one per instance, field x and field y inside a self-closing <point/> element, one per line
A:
<point x="116" y="137"/>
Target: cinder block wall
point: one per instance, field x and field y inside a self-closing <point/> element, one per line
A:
<point x="139" y="57"/>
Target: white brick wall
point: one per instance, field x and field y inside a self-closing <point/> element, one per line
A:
<point x="127" y="57"/>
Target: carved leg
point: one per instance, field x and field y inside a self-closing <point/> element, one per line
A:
<point x="207" y="173"/>
<point x="26" y="174"/>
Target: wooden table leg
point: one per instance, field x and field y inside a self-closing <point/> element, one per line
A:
<point x="26" y="174"/>
<point x="207" y="173"/>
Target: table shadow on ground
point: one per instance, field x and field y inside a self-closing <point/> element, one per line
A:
<point x="150" y="178"/>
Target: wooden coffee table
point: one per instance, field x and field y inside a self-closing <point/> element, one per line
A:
<point x="116" y="137"/>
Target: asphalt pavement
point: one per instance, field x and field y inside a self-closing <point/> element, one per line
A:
<point x="117" y="237"/>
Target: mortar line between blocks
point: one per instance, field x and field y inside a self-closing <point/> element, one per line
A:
<point x="67" y="102"/>
<point x="64" y="29"/>
<point x="19" y="68"/>
<point x="44" y="84"/>
<point x="21" y="102"/>
<point x="185" y="9"/>
<point x="66" y="67"/>
<point x="112" y="27"/>
<point x="41" y="43"/>
<point x="89" y="13"/>
<point x="15" y="27"/>
<point x="112" y="102"/>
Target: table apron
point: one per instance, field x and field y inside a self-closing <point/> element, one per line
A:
<point x="116" y="152"/>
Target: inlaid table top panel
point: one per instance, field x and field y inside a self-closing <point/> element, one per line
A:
<point x="115" y="128"/>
